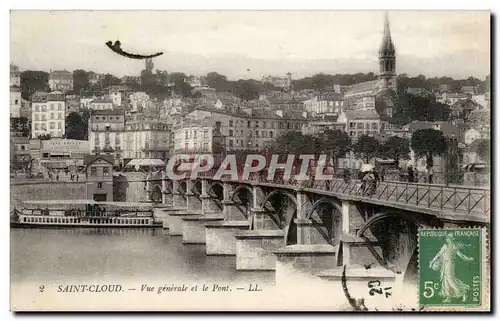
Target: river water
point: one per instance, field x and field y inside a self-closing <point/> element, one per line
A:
<point x="131" y="257"/>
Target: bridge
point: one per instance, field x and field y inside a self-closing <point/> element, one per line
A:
<point x="314" y="228"/>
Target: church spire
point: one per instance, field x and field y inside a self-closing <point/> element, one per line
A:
<point x="387" y="46"/>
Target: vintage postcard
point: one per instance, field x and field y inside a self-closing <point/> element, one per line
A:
<point x="250" y="161"/>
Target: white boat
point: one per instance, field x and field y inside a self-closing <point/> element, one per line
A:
<point x="83" y="213"/>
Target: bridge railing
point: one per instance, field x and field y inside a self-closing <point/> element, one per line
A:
<point x="456" y="199"/>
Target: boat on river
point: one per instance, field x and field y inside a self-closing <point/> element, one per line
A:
<point x="83" y="213"/>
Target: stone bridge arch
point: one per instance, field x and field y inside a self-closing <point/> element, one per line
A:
<point x="182" y="188"/>
<point x="396" y="234"/>
<point x="326" y="217"/>
<point x="283" y="216"/>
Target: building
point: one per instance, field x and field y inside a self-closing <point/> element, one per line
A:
<point x="226" y="100"/>
<point x="368" y="91"/>
<point x="101" y="104"/>
<point x="451" y="98"/>
<point x="48" y="114"/>
<point x="214" y="130"/>
<point x="470" y="90"/>
<point x="126" y="79"/>
<point x="106" y="130"/>
<point x="99" y="174"/>
<point x="483" y="100"/>
<point x="364" y="122"/>
<point x="58" y="153"/>
<point x="317" y="126"/>
<point x="15" y="102"/>
<point x="139" y="101"/>
<point x="20" y="152"/>
<point x="327" y="103"/>
<point x="95" y="79"/>
<point x="15" y="76"/>
<point x="61" y="80"/>
<point x="146" y="139"/>
<point x="119" y="95"/>
<point x="281" y="82"/>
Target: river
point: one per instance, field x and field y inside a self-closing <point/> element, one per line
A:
<point x="132" y="257"/>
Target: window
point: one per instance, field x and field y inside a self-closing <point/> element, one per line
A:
<point x="205" y="134"/>
<point x="195" y="134"/>
<point x="37" y="117"/>
<point x="264" y="134"/>
<point x="99" y="185"/>
<point x="51" y="106"/>
<point x="59" y="125"/>
<point x="60" y="116"/>
<point x="271" y="134"/>
<point x="51" y="115"/>
<point x="248" y="124"/>
<point x="22" y="147"/>
<point x="374" y="126"/>
<point x="230" y="143"/>
<point x="186" y="146"/>
<point x="52" y="125"/>
<point x="187" y="134"/>
<point x="17" y="102"/>
<point x="231" y="133"/>
<point x="256" y="124"/>
<point x="44" y="127"/>
<point x="231" y="123"/>
<point x="37" y="126"/>
<point x="257" y="133"/>
<point x="37" y="108"/>
<point x="205" y="146"/>
<point x="60" y="107"/>
<point x="105" y="171"/>
<point x="263" y="124"/>
<point x="93" y="171"/>
<point x="44" y="108"/>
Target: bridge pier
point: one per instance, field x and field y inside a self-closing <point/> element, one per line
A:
<point x="310" y="255"/>
<point x="220" y="233"/>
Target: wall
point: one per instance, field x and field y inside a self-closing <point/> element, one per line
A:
<point x="130" y="187"/>
<point x="46" y="191"/>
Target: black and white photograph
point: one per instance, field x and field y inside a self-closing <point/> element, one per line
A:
<point x="279" y="160"/>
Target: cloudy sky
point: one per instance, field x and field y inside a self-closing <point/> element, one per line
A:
<point x="432" y="43"/>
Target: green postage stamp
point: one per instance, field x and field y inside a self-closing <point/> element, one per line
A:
<point x="451" y="267"/>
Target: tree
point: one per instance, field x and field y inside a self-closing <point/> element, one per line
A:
<point x="110" y="80"/>
<point x="80" y="80"/>
<point x="366" y="147"/>
<point x="409" y="107"/>
<point x="336" y="144"/>
<point x="295" y="143"/>
<point x="428" y="143"/>
<point x="217" y="81"/>
<point x="396" y="148"/>
<point x="483" y="150"/>
<point x="245" y="90"/>
<point x="77" y="126"/>
<point x="20" y="125"/>
<point x="32" y="81"/>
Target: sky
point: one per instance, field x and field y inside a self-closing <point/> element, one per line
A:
<point x="251" y="44"/>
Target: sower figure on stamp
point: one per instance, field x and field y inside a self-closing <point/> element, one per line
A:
<point x="451" y="286"/>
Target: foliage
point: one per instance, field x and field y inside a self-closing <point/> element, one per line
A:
<point x="366" y="147"/>
<point x="323" y="81"/>
<point x="335" y="143"/>
<point x="80" y="80"/>
<point x="408" y="108"/>
<point x="77" y="126"/>
<point x="484" y="150"/>
<point x="32" y="81"/>
<point x="20" y="125"/>
<point x="44" y="137"/>
<point x="110" y="80"/>
<point x="396" y="148"/>
<point x="428" y="143"/>
<point x="295" y="143"/>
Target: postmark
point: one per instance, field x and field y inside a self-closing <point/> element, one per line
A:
<point x="451" y="267"/>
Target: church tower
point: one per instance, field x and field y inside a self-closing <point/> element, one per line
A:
<point x="387" y="59"/>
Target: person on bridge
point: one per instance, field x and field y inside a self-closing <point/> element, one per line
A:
<point x="410" y="174"/>
<point x="368" y="183"/>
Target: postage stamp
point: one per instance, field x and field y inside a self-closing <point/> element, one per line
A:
<point x="451" y="267"/>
